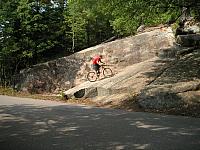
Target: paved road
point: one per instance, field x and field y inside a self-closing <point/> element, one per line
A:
<point x="27" y="124"/>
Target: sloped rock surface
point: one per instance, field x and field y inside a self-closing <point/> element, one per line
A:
<point x="159" y="83"/>
<point x="179" y="85"/>
<point x="131" y="79"/>
<point x="67" y="72"/>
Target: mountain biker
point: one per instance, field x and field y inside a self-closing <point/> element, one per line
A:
<point x="95" y="63"/>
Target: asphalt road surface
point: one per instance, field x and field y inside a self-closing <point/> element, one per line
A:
<point x="27" y="124"/>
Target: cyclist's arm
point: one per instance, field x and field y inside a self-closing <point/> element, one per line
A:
<point x="101" y="61"/>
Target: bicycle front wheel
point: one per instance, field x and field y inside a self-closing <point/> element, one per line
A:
<point x="92" y="76"/>
<point x="107" y="72"/>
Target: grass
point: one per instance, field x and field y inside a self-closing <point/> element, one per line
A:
<point x="11" y="92"/>
<point x="7" y="91"/>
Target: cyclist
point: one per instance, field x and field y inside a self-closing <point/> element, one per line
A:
<point x="95" y="63"/>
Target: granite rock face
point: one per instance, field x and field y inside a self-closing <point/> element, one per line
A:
<point x="67" y="72"/>
<point x="189" y="40"/>
<point x="170" y="80"/>
<point x="178" y="85"/>
<point x="51" y="76"/>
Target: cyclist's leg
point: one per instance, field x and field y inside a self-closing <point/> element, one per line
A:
<point x="96" y="68"/>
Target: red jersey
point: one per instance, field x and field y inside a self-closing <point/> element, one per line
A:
<point x="96" y="60"/>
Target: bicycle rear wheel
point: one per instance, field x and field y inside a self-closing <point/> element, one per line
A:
<point x="92" y="76"/>
<point x="107" y="72"/>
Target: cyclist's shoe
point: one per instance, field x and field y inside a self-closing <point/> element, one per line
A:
<point x="98" y="75"/>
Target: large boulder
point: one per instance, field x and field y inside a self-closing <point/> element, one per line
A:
<point x="177" y="86"/>
<point x="67" y="72"/>
<point x="189" y="40"/>
<point x="191" y="26"/>
<point x="169" y="96"/>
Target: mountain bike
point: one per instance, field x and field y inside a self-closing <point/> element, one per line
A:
<point x="106" y="72"/>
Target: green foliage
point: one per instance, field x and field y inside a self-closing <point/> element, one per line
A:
<point x="88" y="24"/>
<point x="34" y="31"/>
<point x="31" y="32"/>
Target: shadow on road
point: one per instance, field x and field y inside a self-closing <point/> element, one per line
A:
<point x="86" y="128"/>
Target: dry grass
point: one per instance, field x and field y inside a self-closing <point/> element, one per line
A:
<point x="47" y="96"/>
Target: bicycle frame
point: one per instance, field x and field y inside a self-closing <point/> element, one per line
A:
<point x="92" y="76"/>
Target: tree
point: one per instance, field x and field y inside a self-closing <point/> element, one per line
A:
<point x="31" y="32"/>
<point x="89" y="25"/>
